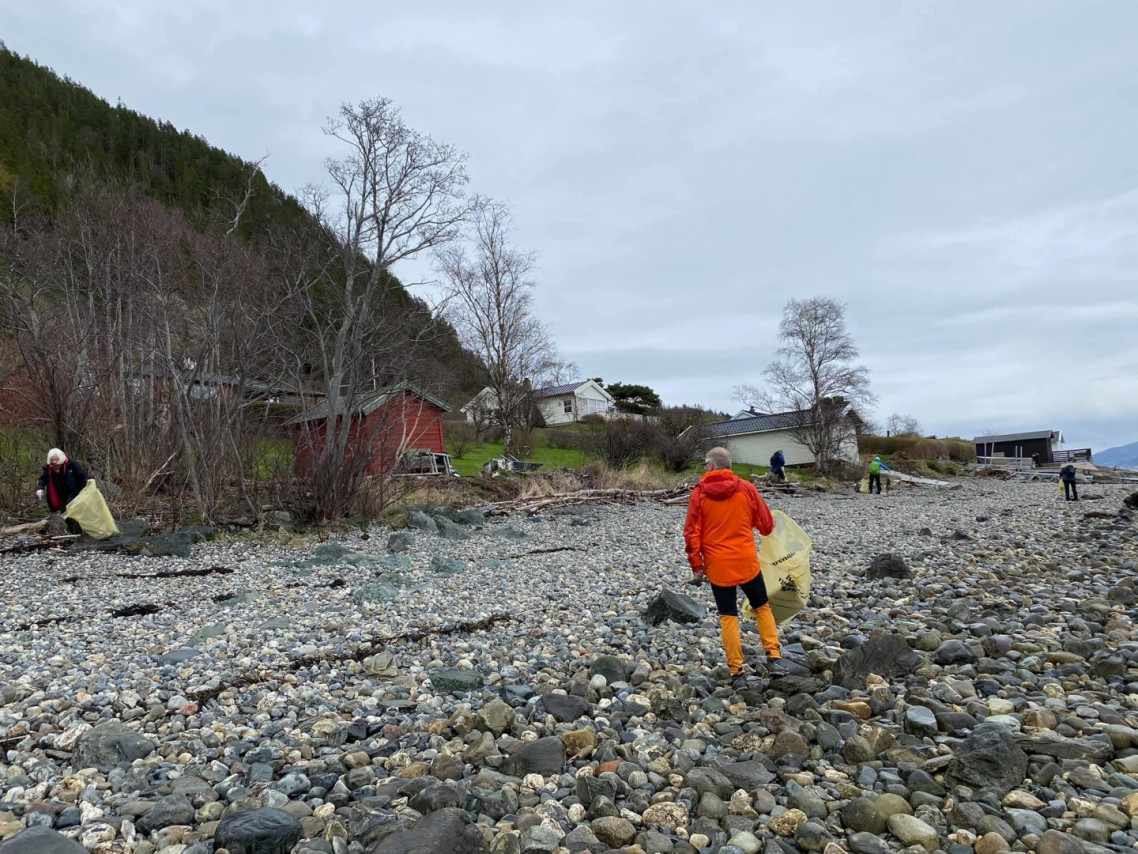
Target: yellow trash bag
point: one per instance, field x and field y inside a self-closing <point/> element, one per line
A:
<point x="863" y="487"/>
<point x="91" y="512"/>
<point x="785" y="558"/>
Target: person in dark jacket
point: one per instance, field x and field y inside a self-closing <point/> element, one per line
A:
<point x="778" y="465"/>
<point x="62" y="480"/>
<point x="1070" y="488"/>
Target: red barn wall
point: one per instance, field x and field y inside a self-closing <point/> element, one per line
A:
<point x="405" y="422"/>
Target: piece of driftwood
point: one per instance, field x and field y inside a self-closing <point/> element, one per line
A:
<point x="532" y="506"/>
<point x="26" y="528"/>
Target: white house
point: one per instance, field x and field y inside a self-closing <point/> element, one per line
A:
<point x="753" y="439"/>
<point x="559" y="404"/>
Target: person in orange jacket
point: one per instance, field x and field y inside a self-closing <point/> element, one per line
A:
<point x="720" y="544"/>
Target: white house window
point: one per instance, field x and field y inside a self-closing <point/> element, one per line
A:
<point x="568" y="404"/>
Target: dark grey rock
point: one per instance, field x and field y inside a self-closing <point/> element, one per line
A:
<point x="436" y="797"/>
<point x="449" y="530"/>
<point x="612" y="668"/>
<point x="954" y="652"/>
<point x="262" y="831"/>
<point x="172" y="809"/>
<point x="469" y="517"/>
<point x="704" y="779"/>
<point x="565" y="708"/>
<point x="748" y="774"/>
<point x="1056" y="746"/>
<point x="920" y="722"/>
<point x="887" y="656"/>
<point x="670" y="605"/>
<point x="546" y="756"/>
<point x="447" y="565"/>
<point x="419" y="519"/>
<point x="445" y="831"/>
<point x="177" y="656"/>
<point x="990" y="759"/>
<point x="399" y="542"/>
<point x="867" y="843"/>
<point x="40" y="840"/>
<point x="108" y="745"/>
<point x="888" y="565"/>
<point x="514" y="535"/>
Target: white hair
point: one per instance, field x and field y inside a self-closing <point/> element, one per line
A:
<point x="56" y="456"/>
<point x="720" y="458"/>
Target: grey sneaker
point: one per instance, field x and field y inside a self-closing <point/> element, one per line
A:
<point x="777" y="667"/>
<point x="739" y="681"/>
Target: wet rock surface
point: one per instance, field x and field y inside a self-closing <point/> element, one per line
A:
<point x="490" y="685"/>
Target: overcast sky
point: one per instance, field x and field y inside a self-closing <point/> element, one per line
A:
<point x="961" y="175"/>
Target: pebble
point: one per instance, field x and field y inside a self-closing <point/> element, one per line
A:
<point x="501" y="679"/>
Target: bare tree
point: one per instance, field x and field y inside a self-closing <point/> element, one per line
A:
<point x="902" y="425"/>
<point x="491" y="306"/>
<point x="814" y="377"/>
<point x="395" y="193"/>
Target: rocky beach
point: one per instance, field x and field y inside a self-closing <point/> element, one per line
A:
<point x="965" y="678"/>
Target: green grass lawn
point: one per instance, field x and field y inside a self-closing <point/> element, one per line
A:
<point x="550" y="458"/>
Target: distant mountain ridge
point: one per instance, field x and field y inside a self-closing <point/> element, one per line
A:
<point x="1124" y="456"/>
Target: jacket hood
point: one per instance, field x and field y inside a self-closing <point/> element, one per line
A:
<point x="720" y="484"/>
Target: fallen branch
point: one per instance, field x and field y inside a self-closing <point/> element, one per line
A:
<point x="532" y="506"/>
<point x="26" y="528"/>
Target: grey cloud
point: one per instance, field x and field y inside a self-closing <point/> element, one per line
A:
<point x="961" y="175"/>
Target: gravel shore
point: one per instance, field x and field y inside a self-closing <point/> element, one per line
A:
<point x="493" y="686"/>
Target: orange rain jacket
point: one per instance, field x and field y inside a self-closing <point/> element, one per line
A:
<point x="722" y="511"/>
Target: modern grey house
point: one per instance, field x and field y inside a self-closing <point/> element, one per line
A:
<point x="1021" y="445"/>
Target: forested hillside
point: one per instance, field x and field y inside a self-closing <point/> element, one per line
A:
<point x="165" y="310"/>
<point x="50" y="127"/>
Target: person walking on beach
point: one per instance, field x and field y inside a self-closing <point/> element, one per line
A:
<point x="723" y="512"/>
<point x="778" y="465"/>
<point x="1067" y="474"/>
<point x="876" y="467"/>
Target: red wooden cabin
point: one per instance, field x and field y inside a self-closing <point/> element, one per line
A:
<point x="384" y="426"/>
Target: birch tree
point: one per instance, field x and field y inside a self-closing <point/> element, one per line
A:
<point x="394" y="194"/>
<point x="813" y="376"/>
<point x="491" y="306"/>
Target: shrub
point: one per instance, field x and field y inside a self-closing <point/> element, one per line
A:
<point x="675" y="452"/>
<point x="592" y="418"/>
<point x="566" y="440"/>
<point x="622" y="442"/>
<point x="908" y="448"/>
<point x="460" y="437"/>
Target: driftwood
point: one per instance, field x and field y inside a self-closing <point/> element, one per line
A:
<point x="26" y="528"/>
<point x="532" y="506"/>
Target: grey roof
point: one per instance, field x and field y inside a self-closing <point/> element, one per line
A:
<point x="1018" y="437"/>
<point x="369" y="404"/>
<point x="755" y="424"/>
<point x="557" y="390"/>
<point x="762" y="423"/>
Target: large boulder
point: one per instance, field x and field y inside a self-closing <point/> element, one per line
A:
<point x="670" y="605"/>
<point x="262" y="831"/>
<point x="40" y="840"/>
<point x="988" y="759"/>
<point x="108" y="745"/>
<point x="445" y="831"/>
<point x="546" y="757"/>
<point x="888" y="565"/>
<point x="887" y="656"/>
